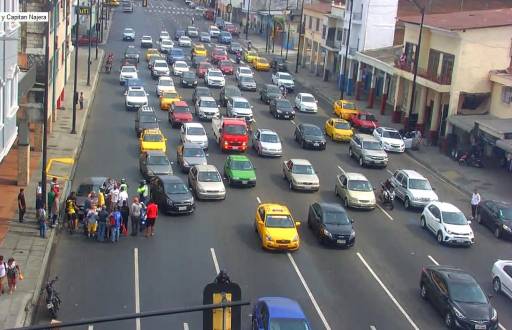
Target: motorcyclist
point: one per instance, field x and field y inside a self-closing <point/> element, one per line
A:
<point x="249" y="45"/>
<point x="388" y="193"/>
<point x="238" y="57"/>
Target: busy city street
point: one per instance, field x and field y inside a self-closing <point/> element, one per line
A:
<point x="375" y="284"/>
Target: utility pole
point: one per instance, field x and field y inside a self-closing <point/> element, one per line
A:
<point x="347" y="47"/>
<point x="301" y="37"/>
<point x="45" y="104"/>
<point x="285" y="15"/>
<point x="90" y="42"/>
<point x="247" y="21"/>
<point x="102" y="18"/>
<point x="97" y="26"/>
<point x="287" y="40"/>
<point x="267" y="44"/>
<point x="416" y="57"/>
<point x="75" y="96"/>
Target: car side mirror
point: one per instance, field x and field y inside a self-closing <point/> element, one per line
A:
<point x="404" y="185"/>
<point x="469" y="222"/>
<point x="125" y="93"/>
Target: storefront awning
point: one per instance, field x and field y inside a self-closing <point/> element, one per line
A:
<point x="500" y="128"/>
<point x="505" y="145"/>
<point x="465" y="123"/>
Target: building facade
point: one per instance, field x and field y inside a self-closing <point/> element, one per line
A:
<point x="9" y="33"/>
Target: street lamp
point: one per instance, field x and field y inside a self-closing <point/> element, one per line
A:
<point x="416" y="56"/>
<point x="347" y="46"/>
<point x="45" y="104"/>
<point x="75" y="96"/>
<point x="267" y="44"/>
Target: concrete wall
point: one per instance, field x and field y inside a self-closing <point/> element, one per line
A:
<point x="378" y="26"/>
<point x="499" y="108"/>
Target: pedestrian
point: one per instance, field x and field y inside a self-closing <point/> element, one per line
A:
<point x="75" y="98"/>
<point x="152" y="214"/>
<point x="143" y="191"/>
<point x="71" y="209"/>
<point x="39" y="201"/>
<point x="125" y="214"/>
<point x="114" y="197"/>
<point x="55" y="210"/>
<point x="41" y="220"/>
<point x="92" y="223"/>
<point x="101" y="198"/>
<point x="135" y="212"/>
<point x="475" y="202"/>
<point x="115" y="224"/>
<point x="12" y="272"/>
<point x="143" y="217"/>
<point x="123" y="197"/>
<point x="81" y="100"/>
<point x="50" y="196"/>
<point x="3" y="273"/>
<point x="54" y="185"/>
<point x="193" y="20"/>
<point x="22" y="205"/>
<point x="102" y="223"/>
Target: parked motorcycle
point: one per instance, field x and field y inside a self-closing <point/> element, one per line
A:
<point x="387" y="197"/>
<point x="52" y="298"/>
<point x="470" y="159"/>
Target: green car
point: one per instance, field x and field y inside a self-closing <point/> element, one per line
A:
<point x="238" y="170"/>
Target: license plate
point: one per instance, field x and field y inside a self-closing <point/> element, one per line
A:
<point x="286" y="116"/>
<point x="480" y="326"/>
<point x="182" y="208"/>
<point x="244" y="182"/>
<point x="235" y="148"/>
<point x="49" y="306"/>
<point x="283" y="245"/>
<point x="341" y="241"/>
<point x="316" y="144"/>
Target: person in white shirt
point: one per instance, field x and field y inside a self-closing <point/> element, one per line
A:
<point x="114" y="197"/>
<point x="475" y="201"/>
<point x="3" y="273"/>
<point x="123" y="197"/>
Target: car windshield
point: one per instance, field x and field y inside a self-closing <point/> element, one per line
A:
<point x="180" y="65"/>
<point x="148" y="119"/>
<point x="235" y="130"/>
<point x="166" y="42"/>
<point x="454" y="218"/>
<point x="359" y="185"/>
<point x="372" y="145"/>
<point x="303" y="169"/>
<point x="195" y="131"/>
<point x="279" y="221"/>
<point x="129" y="69"/>
<point x="208" y="104"/>
<point x="312" y="130"/>
<point x="246" y="71"/>
<point x="176" y="188"/>
<point x="235" y="45"/>
<point x="273" y="89"/>
<point x="170" y="95"/>
<point x="215" y="74"/>
<point x="146" y="38"/>
<point x="262" y="60"/>
<point x="166" y="82"/>
<point x="246" y="79"/>
<point x="220" y="52"/>
<point x="368" y="117"/>
<point x="136" y="93"/>
<point x="205" y="66"/>
<point x="176" y="52"/>
<point x="192" y="28"/>
<point x="226" y="64"/>
<point x="233" y="92"/>
<point x="420" y="184"/>
<point x="342" y="125"/>
<point x="225" y="34"/>
<point x="158" y="160"/>
<point x="184" y="38"/>
<point x="467" y="292"/>
<point x="349" y="106"/>
<point x="285" y="76"/>
<point x="153" y="138"/>
<point x="307" y="98"/>
<point x="202" y="92"/>
<point x="209" y="176"/>
<point x="204" y="34"/>
<point x="241" y="165"/>
<point x="505" y="213"/>
<point x="181" y="109"/>
<point x="193" y="152"/>
<point x="336" y="218"/>
<point x="269" y="138"/>
<point x="160" y="64"/>
<point x="128" y="30"/>
<point x="131" y="51"/>
<point x="391" y="134"/>
<point x="241" y="105"/>
<point x="283" y="104"/>
<point x="84" y="189"/>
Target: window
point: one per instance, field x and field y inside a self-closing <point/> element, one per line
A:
<point x="447" y="67"/>
<point x="324" y="30"/>
<point x="508" y="269"/>
<point x="310" y="24"/>
<point x="317" y="25"/>
<point x="433" y="62"/>
<point x="506" y="94"/>
<point x="439" y="282"/>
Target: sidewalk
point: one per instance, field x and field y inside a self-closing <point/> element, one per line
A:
<point x="492" y="182"/>
<point x="21" y="240"/>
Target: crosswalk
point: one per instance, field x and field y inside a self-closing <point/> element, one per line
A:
<point x="174" y="11"/>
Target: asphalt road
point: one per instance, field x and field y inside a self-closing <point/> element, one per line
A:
<point x="372" y="285"/>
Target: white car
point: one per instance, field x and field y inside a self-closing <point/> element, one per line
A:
<point x="194" y="133"/>
<point x="184" y="41"/>
<point x="179" y="67"/>
<point x="243" y="71"/>
<point x="146" y="42"/>
<point x="306" y="102"/>
<point x="129" y="34"/>
<point x="213" y="31"/>
<point x="283" y="79"/>
<point x="206" y="108"/>
<point x="502" y="277"/>
<point x="164" y="35"/>
<point x="412" y="188"/>
<point x="160" y="69"/>
<point x="166" y="45"/>
<point x="390" y="139"/>
<point x="239" y="107"/>
<point x="128" y="72"/>
<point x="165" y="84"/>
<point x="135" y="98"/>
<point x="214" y="77"/>
<point x="192" y="32"/>
<point x="447" y="223"/>
<point x="266" y="142"/>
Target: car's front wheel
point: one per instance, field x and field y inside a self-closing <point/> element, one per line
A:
<point x="439" y="237"/>
<point x="422" y="222"/>
<point x="448" y="320"/>
<point x="423" y="291"/>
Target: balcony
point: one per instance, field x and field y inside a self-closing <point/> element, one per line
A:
<point x="334" y="44"/>
<point x="444" y="79"/>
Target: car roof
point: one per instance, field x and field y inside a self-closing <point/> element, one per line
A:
<point x="191" y="145"/>
<point x="281" y="307"/>
<point x="180" y="104"/>
<point x="355" y="176"/>
<point x="453" y="274"/>
<point x="202" y="88"/>
<point x="239" y="99"/>
<point x="245" y="67"/>
<point x="446" y="207"/>
<point x="135" y="88"/>
<point x="170" y="179"/>
<point x="500" y="203"/>
<point x="159" y="60"/>
<point x="128" y="67"/>
<point x="389" y="129"/>
<point x="412" y="174"/>
<point x="193" y="125"/>
<point x="366" y="137"/>
<point x="275" y="208"/>
<point x="331" y="207"/>
<point x="214" y="70"/>
<point x="165" y="78"/>
<point x="207" y="167"/>
<point x="151" y="131"/>
<point x="181" y="62"/>
<point x="146" y="36"/>
<point x="299" y="161"/>
<point x="206" y="98"/>
<point x="266" y="131"/>
<point x="339" y="120"/>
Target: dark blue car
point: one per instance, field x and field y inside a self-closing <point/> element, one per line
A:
<point x="178" y="34"/>
<point x="225" y="37"/>
<point x="176" y="54"/>
<point x="278" y="313"/>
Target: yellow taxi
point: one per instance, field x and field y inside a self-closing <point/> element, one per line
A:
<point x="261" y="64"/>
<point x="199" y="50"/>
<point x="151" y="52"/>
<point x="250" y="55"/>
<point x="276" y="228"/>
<point x="344" y="109"/>
<point x="168" y="98"/>
<point x="152" y="139"/>
<point x="338" y="129"/>
<point x="113" y="3"/>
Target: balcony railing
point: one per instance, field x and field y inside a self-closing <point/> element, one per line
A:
<point x="333" y="43"/>
<point x="443" y="79"/>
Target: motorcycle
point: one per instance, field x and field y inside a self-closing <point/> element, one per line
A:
<point x="470" y="159"/>
<point x="238" y="57"/>
<point x="52" y="298"/>
<point x="108" y="62"/>
<point x="387" y="197"/>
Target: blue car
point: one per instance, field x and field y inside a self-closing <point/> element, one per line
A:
<point x="278" y="313"/>
<point x="176" y="54"/>
<point x="225" y="37"/>
<point x="178" y="34"/>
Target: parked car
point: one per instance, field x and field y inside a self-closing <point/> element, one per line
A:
<point x="497" y="216"/>
<point x="214" y="78"/>
<point x="390" y="138"/>
<point x="331" y="225"/>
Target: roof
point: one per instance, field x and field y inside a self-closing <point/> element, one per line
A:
<point x="267" y="131"/>
<point x="280" y="307"/>
<point x="298" y="161"/>
<point x="321" y="7"/>
<point x="463" y="20"/>
<point x="206" y="98"/>
<point x="413" y="174"/>
<point x="180" y="104"/>
<point x="239" y="157"/>
<point x="389" y="129"/>
<point x="170" y="178"/>
<point x="239" y="99"/>
<point x="446" y="206"/>
<point x="306" y="94"/>
<point x="355" y="176"/>
<point x="208" y="167"/>
<point x="331" y="206"/>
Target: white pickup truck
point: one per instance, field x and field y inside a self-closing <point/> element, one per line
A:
<point x="230" y="133"/>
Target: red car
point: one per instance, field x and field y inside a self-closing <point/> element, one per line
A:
<point x="365" y="122"/>
<point x="180" y="113"/>
<point x="226" y="67"/>
<point x="209" y="14"/>
<point x="219" y="54"/>
<point x="232" y="28"/>
<point x="83" y="40"/>
<point x="203" y="68"/>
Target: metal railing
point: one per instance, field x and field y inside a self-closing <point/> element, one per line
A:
<point x="442" y="79"/>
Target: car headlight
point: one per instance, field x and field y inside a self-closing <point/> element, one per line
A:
<point x="170" y="202"/>
<point x="327" y="233"/>
<point x="201" y="190"/>
<point x="279" y="111"/>
<point x="458" y="314"/>
<point x="268" y="237"/>
<point x="295" y="238"/>
<point x="352" y="233"/>
<point x="447" y="231"/>
<point x="507" y="228"/>
<point x="494" y="315"/>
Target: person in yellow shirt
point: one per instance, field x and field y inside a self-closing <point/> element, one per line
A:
<point x="101" y="198"/>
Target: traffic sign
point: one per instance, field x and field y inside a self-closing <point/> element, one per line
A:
<point x="222" y="290"/>
<point x="84" y="10"/>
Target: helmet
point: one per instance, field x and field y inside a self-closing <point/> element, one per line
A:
<point x="123" y="180"/>
<point x="142" y="181"/>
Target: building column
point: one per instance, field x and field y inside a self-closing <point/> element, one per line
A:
<point x="359" y="81"/>
<point x="405" y="119"/>
<point x="38" y="136"/>
<point x="396" y="112"/>
<point x="420" y="125"/>
<point x="317" y="60"/>
<point x="350" y="77"/>
<point x="436" y="114"/>
<point x="23" y="147"/>
<point x="384" y="97"/>
<point x="371" y="92"/>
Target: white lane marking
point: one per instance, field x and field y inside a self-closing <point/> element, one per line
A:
<point x="501" y="326"/>
<point x="385" y="212"/>
<point x="372" y="327"/>
<point x="402" y="310"/>
<point x="433" y="260"/>
<point x="137" y="293"/>
<point x="308" y="291"/>
<point x="185" y="326"/>
<point x="293" y="123"/>
<point x="215" y="262"/>
<point x="259" y="200"/>
<point x="339" y="167"/>
<point x="90" y="327"/>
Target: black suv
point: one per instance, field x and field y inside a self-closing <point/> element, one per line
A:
<point x="279" y="64"/>
<point x="226" y="92"/>
<point x="310" y="136"/>
<point x="269" y="92"/>
<point x="171" y="194"/>
<point x="458" y="298"/>
<point x="331" y="224"/>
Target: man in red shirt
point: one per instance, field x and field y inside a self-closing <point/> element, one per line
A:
<point x="151" y="215"/>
